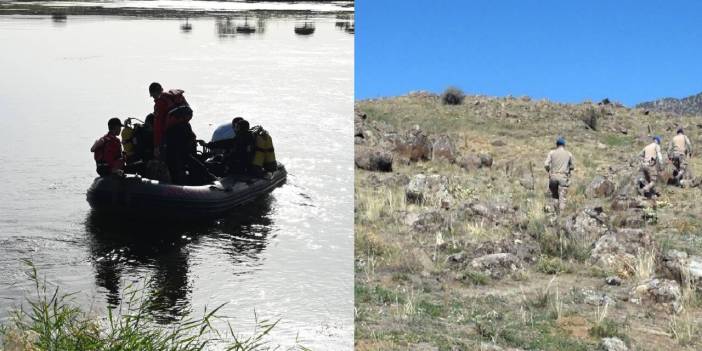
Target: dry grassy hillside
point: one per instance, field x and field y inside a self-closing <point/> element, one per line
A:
<point x="457" y="248"/>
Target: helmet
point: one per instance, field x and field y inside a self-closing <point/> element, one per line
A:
<point x="560" y="141"/>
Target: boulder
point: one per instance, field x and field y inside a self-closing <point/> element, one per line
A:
<point x="373" y="159"/>
<point x="470" y="162"/>
<point x="416" y="145"/>
<point x="658" y="293"/>
<point x="443" y="148"/>
<point x="600" y="187"/>
<point x="497" y="265"/>
<point x="422" y="188"/>
<point x="683" y="267"/>
<point x="613" y="344"/>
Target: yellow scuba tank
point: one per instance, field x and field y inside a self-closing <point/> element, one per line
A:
<point x="264" y="154"/>
<point x="128" y="138"/>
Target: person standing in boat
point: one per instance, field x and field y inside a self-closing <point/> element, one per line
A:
<point x="167" y="106"/>
<point x="179" y="142"/>
<point x="107" y="150"/>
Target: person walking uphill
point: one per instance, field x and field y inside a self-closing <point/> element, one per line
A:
<point x="167" y="105"/>
<point x="679" y="150"/>
<point x="559" y="163"/>
<point x="107" y="150"/>
<point x="651" y="163"/>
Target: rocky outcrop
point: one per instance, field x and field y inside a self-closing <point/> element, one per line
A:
<point x="373" y="159"/>
<point x="617" y="251"/>
<point x="691" y="105"/>
<point x="684" y="268"/>
<point x="658" y="293"/>
<point x="587" y="226"/>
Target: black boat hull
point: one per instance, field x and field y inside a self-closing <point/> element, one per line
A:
<point x="138" y="196"/>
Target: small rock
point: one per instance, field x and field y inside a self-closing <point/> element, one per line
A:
<point x="457" y="257"/>
<point x="485" y="160"/>
<point x="613" y="280"/>
<point x="613" y="344"/>
<point x="596" y="298"/>
<point x="498" y="143"/>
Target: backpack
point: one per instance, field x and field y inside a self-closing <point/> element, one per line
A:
<point x="179" y="107"/>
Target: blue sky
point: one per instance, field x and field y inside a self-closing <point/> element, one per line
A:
<point x="567" y="51"/>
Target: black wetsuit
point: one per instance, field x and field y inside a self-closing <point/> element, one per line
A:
<point x="242" y="152"/>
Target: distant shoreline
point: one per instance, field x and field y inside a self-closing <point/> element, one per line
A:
<point x="20" y="8"/>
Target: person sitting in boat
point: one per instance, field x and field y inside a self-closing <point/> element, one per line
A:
<point x="239" y="154"/>
<point x="167" y="106"/>
<point x="107" y="150"/>
<point x="179" y="147"/>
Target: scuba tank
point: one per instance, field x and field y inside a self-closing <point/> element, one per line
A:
<point x="264" y="154"/>
<point x="129" y="139"/>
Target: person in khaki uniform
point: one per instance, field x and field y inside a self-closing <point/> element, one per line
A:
<point x="651" y="163"/>
<point x="679" y="150"/>
<point x="559" y="163"/>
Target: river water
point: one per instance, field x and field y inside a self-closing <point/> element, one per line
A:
<point x="288" y="256"/>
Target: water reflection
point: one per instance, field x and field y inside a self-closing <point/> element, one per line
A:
<point x="59" y="18"/>
<point x="225" y="27"/>
<point x="123" y="249"/>
<point x="186" y="27"/>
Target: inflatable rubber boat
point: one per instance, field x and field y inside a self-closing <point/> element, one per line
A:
<point x="135" y="195"/>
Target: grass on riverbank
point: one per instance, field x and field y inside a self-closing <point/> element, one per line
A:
<point x="52" y="321"/>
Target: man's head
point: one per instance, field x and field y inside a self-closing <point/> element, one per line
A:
<point x="242" y="126"/>
<point x="114" y="125"/>
<point x="657" y="139"/>
<point x="155" y="90"/>
<point x="236" y="121"/>
<point x="680" y="130"/>
<point x="560" y="141"/>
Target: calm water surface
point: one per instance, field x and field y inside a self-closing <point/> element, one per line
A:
<point x="287" y="256"/>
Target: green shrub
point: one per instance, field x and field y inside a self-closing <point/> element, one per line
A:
<point x="452" y="96"/>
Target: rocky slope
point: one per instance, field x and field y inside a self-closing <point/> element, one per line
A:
<point x="690" y="106"/>
<point x="458" y="247"/>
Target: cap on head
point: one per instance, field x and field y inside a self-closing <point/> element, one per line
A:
<point x="657" y="139"/>
<point x="114" y="122"/>
<point x="680" y="130"/>
<point x="560" y="141"/>
<point x="155" y="88"/>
